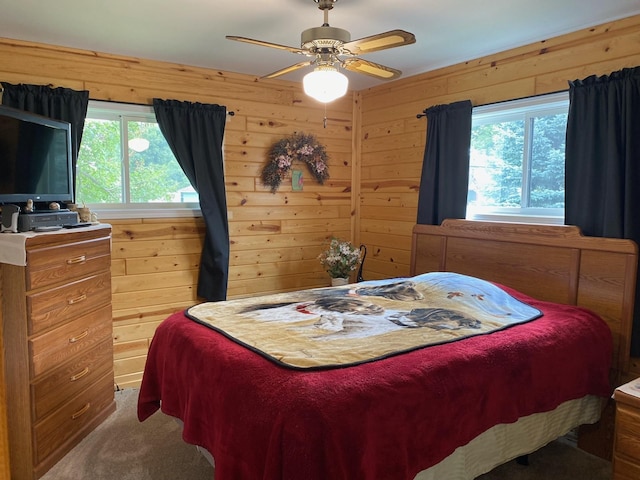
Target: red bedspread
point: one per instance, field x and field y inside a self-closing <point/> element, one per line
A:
<point x="389" y="419"/>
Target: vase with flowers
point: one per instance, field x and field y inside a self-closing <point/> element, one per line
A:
<point x="339" y="260"/>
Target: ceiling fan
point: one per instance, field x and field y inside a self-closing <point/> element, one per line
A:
<point x="329" y="48"/>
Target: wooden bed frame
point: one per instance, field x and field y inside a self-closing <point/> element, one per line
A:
<point x="554" y="263"/>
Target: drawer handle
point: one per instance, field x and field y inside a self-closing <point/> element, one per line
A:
<point x="79" y="337"/>
<point x="78" y="259"/>
<point x="79" y="375"/>
<point x="72" y="301"/>
<point x="81" y="412"/>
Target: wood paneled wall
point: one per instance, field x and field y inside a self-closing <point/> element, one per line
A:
<point x="4" y="428"/>
<point x="376" y="145"/>
<point x="393" y="139"/>
<point x="275" y="238"/>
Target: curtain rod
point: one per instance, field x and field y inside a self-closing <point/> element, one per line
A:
<point x="423" y="114"/>
<point x="231" y="113"/>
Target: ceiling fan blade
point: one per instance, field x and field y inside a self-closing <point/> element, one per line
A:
<point x="369" y="68"/>
<point x="266" y="44"/>
<point x="288" y="69"/>
<point x="381" y="41"/>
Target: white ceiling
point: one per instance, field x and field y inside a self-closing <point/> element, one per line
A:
<point x="192" y="32"/>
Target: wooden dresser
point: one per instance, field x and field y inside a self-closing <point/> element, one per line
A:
<point x="58" y="343"/>
<point x="626" y="448"/>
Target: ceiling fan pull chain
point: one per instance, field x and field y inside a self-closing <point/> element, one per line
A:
<point x="324" y="121"/>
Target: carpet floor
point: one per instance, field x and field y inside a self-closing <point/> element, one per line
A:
<point x="123" y="448"/>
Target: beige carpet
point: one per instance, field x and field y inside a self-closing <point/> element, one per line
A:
<point x="123" y="448"/>
<point x="557" y="461"/>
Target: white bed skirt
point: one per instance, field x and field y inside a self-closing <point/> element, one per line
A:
<point x="505" y="442"/>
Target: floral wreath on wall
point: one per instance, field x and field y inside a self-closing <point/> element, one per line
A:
<point x="301" y="147"/>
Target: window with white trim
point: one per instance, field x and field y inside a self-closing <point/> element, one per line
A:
<point x="517" y="160"/>
<point x="125" y="163"/>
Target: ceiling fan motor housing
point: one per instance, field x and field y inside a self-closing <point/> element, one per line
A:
<point x="324" y="37"/>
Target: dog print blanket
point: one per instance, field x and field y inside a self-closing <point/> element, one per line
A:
<point x="362" y="322"/>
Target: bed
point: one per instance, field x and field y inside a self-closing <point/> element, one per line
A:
<point x="453" y="409"/>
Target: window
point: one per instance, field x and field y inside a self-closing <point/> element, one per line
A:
<point x="125" y="163"/>
<point x="517" y="160"/>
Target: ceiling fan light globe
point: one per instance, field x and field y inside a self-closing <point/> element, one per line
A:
<point x="325" y="84"/>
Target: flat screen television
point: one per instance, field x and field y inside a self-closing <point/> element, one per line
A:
<point x="35" y="158"/>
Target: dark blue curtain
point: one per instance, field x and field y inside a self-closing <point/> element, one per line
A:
<point x="58" y="103"/>
<point x="602" y="191"/>
<point x="195" y="131"/>
<point x="445" y="169"/>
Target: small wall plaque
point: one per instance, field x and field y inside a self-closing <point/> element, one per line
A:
<point x="296" y="180"/>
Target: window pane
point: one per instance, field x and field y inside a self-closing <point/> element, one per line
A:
<point x="517" y="159"/>
<point x="124" y="160"/>
<point x="547" y="161"/>
<point x="495" y="175"/>
<point x="155" y="175"/>
<point x="99" y="169"/>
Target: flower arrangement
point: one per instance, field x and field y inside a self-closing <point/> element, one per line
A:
<point x="301" y="147"/>
<point x="340" y="259"/>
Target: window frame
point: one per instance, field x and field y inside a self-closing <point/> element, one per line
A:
<point x="549" y="104"/>
<point x="123" y="112"/>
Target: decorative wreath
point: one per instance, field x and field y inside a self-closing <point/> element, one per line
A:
<point x="297" y="147"/>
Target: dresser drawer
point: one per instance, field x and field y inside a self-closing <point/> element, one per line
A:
<point x="628" y="432"/>
<point x="54" y="264"/>
<point x="51" y="307"/>
<point x="71" y="378"/>
<point x="59" y="427"/>
<point x="625" y="470"/>
<point x="52" y="349"/>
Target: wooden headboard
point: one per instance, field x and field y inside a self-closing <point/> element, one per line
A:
<point x="554" y="263"/>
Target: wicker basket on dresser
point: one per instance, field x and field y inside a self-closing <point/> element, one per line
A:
<point x="58" y="346"/>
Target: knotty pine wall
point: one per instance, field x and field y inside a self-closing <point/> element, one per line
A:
<point x="4" y="428"/>
<point x="374" y="139"/>
<point x="275" y="238"/>
<point x="392" y="139"/>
